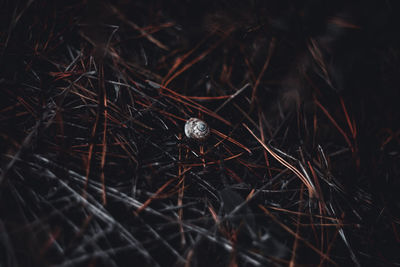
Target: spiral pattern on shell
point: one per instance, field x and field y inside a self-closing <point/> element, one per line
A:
<point x="196" y="129"/>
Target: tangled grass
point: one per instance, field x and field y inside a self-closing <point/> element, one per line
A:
<point x="301" y="166"/>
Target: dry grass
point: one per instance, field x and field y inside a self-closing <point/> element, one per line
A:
<point x="300" y="169"/>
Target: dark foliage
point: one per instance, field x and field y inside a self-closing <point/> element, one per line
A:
<point x="301" y="167"/>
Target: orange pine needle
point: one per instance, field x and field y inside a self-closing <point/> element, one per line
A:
<point x="310" y="187"/>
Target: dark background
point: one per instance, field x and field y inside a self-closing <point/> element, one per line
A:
<point x="95" y="167"/>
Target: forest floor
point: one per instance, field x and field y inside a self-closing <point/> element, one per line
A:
<point x="301" y="167"/>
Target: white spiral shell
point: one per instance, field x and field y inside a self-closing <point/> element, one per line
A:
<point x="196" y="129"/>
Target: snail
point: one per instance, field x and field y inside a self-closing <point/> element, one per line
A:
<point x="196" y="129"/>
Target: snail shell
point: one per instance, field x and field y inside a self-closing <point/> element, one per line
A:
<point x="196" y="129"/>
